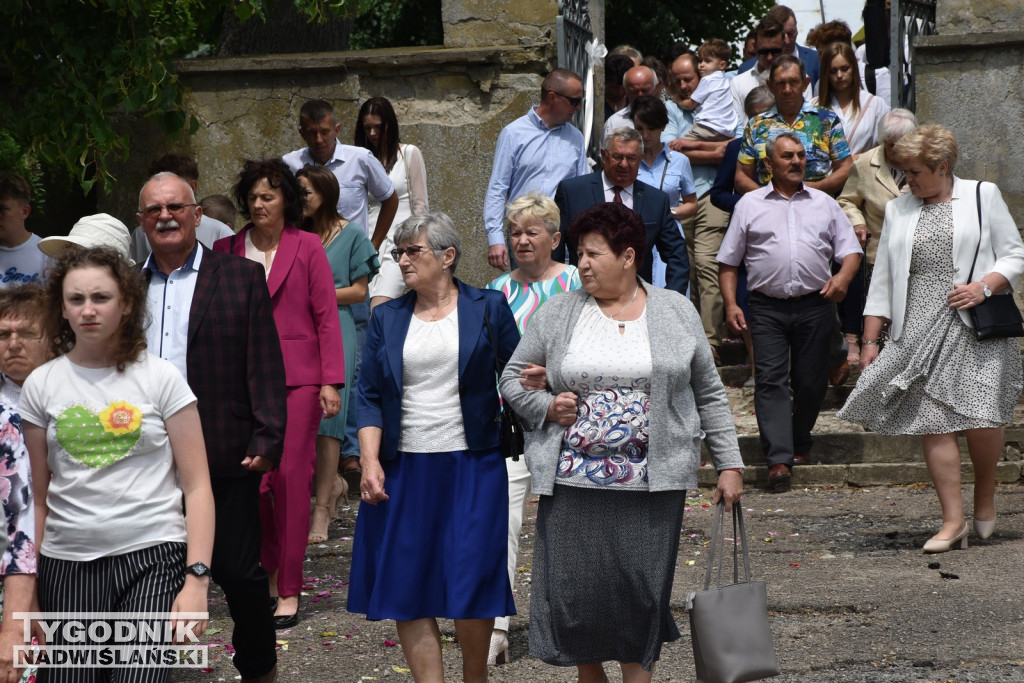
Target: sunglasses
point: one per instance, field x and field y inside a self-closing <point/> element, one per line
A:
<point x="574" y="101"/>
<point x="774" y="51"/>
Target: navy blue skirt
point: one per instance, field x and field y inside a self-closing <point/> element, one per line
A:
<point x="438" y="546"/>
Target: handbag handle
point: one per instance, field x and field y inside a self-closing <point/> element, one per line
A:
<point x="739" y="530"/>
<point x="970" y="277"/>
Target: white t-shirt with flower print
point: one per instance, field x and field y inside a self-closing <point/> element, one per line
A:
<point x="114" y="487"/>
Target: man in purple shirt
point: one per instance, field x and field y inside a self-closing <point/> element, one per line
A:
<point x="786" y="234"/>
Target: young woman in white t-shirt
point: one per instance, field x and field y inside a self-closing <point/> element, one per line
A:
<point x="116" y="449"/>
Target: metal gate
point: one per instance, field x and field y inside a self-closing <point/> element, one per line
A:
<point x="575" y="38"/>
<point x="910" y="18"/>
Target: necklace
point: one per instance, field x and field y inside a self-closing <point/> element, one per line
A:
<point x="622" y="324"/>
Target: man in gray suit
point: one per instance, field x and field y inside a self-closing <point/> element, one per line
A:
<point x="617" y="183"/>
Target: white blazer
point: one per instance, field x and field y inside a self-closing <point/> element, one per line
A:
<point x="1001" y="249"/>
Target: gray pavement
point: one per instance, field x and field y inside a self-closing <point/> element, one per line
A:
<point x="851" y="598"/>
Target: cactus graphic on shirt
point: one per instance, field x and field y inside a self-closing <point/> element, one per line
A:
<point x="99" y="440"/>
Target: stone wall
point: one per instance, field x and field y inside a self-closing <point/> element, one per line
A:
<point x="970" y="77"/>
<point x="451" y="101"/>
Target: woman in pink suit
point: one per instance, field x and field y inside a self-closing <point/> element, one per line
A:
<point x="306" y="312"/>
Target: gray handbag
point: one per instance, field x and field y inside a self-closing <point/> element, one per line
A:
<point x="732" y="641"/>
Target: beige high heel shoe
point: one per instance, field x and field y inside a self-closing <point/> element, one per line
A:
<point x="984" y="527"/>
<point x="934" y="545"/>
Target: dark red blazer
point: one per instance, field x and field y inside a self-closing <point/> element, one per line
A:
<point x="234" y="364"/>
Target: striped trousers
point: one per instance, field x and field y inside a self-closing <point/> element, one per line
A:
<point x="144" y="580"/>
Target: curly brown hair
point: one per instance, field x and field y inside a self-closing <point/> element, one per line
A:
<point x="132" y="339"/>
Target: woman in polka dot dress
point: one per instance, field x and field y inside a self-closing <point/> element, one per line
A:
<point x="934" y="377"/>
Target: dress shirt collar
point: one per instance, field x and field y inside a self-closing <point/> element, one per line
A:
<point x="608" y="185"/>
<point x="770" y="190"/>
<point x="539" y="122"/>
<point x="191" y="263"/>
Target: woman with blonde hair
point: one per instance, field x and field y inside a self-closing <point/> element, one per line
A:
<point x="532" y="222"/>
<point x="934" y="377"/>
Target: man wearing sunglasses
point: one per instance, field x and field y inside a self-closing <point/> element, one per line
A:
<point x="769" y="40"/>
<point x="535" y="153"/>
<point x="808" y="55"/>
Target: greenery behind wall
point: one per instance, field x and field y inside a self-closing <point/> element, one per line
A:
<point x="651" y="26"/>
<point x="70" y="69"/>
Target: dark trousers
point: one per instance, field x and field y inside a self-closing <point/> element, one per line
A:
<point x="791" y="349"/>
<point x="237" y="570"/>
<point x="851" y="308"/>
<point x="145" y="580"/>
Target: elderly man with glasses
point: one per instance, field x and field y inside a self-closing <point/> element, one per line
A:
<point x="535" y="153"/>
<point x="623" y="148"/>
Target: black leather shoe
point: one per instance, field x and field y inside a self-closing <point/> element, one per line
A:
<point x="273" y="605"/>
<point x="779" y="478"/>
<point x="286" y="621"/>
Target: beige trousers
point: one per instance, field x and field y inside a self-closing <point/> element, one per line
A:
<point x="704" y="233"/>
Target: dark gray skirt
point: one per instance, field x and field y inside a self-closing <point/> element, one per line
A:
<point x="603" y="566"/>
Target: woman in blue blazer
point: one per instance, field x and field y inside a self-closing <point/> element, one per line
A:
<point x="430" y="538"/>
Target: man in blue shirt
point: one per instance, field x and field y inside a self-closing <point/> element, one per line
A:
<point x="535" y="153"/>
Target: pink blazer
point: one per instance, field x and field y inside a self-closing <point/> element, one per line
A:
<point x="305" y="307"/>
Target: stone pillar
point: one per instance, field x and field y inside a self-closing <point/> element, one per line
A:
<point x="970" y="77"/>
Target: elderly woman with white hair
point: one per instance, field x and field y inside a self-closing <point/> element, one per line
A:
<point x="532" y="222"/>
<point x="946" y="247"/>
<point x="430" y="536"/>
<point x="875" y="179"/>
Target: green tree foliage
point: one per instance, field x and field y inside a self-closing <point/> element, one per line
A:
<point x="652" y="26"/>
<point x="68" y="68"/>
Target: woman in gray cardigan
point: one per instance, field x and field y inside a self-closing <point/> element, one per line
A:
<point x="632" y="392"/>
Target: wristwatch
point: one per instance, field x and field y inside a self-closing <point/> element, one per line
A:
<point x="984" y="286"/>
<point x="197" y="569"/>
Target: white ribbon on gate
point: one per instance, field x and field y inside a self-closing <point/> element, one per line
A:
<point x="597" y="52"/>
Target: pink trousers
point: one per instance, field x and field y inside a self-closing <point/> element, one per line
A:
<point x="285" y="493"/>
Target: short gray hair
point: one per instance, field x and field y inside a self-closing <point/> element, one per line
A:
<point x="895" y="124"/>
<point x="623" y="134"/>
<point x="167" y="175"/>
<point x="769" y="147"/>
<point x="758" y="100"/>
<point x="437" y="227"/>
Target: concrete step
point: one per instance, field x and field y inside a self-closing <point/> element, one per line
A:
<point x="845" y="454"/>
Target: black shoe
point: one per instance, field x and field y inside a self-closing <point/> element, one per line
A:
<point x="273" y="605"/>
<point x="286" y="621"/>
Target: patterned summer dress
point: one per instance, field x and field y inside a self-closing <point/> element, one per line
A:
<point x="937" y="378"/>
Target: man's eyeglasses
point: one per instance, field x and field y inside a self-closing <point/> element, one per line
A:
<point x="24" y="334"/>
<point x="413" y="251"/>
<point x="631" y="159"/>
<point x="574" y="101"/>
<point x="765" y="51"/>
<point x="157" y="209"/>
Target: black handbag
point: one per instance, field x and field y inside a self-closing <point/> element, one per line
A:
<point x="997" y="316"/>
<point x="513" y="433"/>
<point x="732" y="641"/>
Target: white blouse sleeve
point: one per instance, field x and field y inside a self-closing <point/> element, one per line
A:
<point x="417" y="180"/>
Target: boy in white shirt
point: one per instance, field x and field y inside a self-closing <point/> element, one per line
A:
<point x="714" y="118"/>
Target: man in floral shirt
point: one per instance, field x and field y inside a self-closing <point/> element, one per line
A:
<point x="828" y="155"/>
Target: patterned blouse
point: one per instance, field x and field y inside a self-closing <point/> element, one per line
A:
<point x="525" y="299"/>
<point x="15" y="492"/>
<point x="610" y="370"/>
